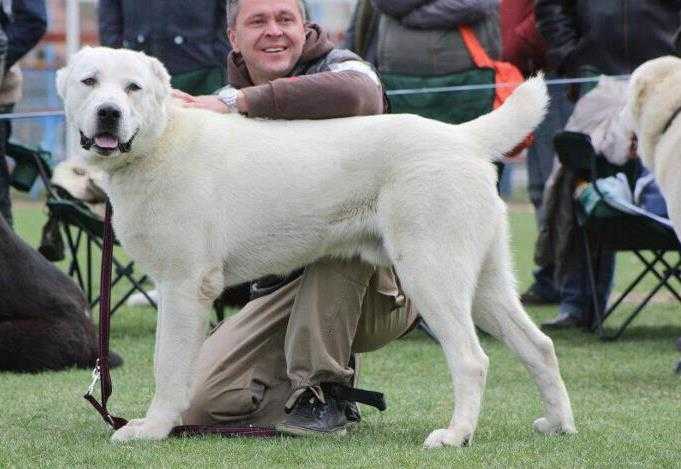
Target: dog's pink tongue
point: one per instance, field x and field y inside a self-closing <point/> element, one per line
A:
<point x="106" y="141"/>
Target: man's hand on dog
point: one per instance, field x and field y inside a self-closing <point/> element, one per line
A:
<point x="209" y="102"/>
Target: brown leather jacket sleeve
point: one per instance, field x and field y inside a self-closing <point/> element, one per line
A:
<point x="317" y="96"/>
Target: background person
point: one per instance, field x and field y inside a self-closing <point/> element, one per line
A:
<point x="285" y="351"/>
<point x="524" y="47"/>
<point x="587" y="38"/>
<point x="188" y="37"/>
<point x="22" y="24"/>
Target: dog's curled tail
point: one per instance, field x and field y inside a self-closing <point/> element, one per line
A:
<point x="501" y="130"/>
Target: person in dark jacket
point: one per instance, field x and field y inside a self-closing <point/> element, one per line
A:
<point x="612" y="36"/>
<point x="22" y="24"/>
<point x="587" y="38"/>
<point x="386" y="34"/>
<point x="523" y="46"/>
<point x="188" y="37"/>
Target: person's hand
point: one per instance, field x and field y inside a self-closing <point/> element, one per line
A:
<point x="181" y="95"/>
<point x="211" y="103"/>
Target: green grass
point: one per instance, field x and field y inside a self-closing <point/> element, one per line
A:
<point x="625" y="396"/>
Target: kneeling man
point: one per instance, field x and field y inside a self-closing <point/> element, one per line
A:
<point x="280" y="359"/>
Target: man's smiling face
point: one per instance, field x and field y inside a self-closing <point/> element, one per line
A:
<point x="270" y="35"/>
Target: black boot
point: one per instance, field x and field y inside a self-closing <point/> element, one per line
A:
<point x="315" y="412"/>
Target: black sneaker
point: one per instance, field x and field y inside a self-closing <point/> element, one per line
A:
<point x="315" y="413"/>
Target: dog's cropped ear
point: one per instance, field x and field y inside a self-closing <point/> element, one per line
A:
<point x="61" y="79"/>
<point x="161" y="74"/>
<point x="63" y="73"/>
<point x="643" y="81"/>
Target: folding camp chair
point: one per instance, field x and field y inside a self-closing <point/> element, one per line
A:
<point x="80" y="226"/>
<point x="607" y="228"/>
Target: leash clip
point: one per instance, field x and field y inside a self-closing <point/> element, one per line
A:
<point x="95" y="378"/>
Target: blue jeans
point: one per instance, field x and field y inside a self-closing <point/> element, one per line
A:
<point x="575" y="290"/>
<point x="540" y="158"/>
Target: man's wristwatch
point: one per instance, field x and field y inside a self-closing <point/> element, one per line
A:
<point x="228" y="97"/>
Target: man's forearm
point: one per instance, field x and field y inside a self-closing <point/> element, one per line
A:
<point x="318" y="96"/>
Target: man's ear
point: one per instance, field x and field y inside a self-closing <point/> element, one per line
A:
<point x="161" y="74"/>
<point x="232" y="40"/>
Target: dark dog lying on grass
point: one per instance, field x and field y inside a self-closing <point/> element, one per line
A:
<point x="43" y="314"/>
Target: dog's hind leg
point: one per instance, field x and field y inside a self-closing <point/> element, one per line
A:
<point x="497" y="310"/>
<point x="444" y="297"/>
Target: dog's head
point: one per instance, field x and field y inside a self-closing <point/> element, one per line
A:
<point x="116" y="100"/>
<point x="653" y="98"/>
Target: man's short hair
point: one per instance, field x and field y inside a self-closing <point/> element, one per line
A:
<point x="233" y="11"/>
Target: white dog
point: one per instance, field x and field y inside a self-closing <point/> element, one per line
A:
<point x="654" y="106"/>
<point x="203" y="201"/>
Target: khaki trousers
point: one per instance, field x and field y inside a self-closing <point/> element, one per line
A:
<point x="300" y="335"/>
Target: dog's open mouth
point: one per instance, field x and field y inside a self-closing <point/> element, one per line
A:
<point x="105" y="143"/>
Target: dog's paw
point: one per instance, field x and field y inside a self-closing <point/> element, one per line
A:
<point x="549" y="427"/>
<point x="142" y="429"/>
<point x="447" y="437"/>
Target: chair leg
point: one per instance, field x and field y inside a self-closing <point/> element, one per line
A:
<point x="650" y="267"/>
<point x="596" y="320"/>
<point x="124" y="271"/>
<point x="639" y="308"/>
<point x="675" y="270"/>
<point x="74" y="267"/>
<point x="137" y="286"/>
<point x="663" y="280"/>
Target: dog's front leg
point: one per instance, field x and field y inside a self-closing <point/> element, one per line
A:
<point x="180" y="331"/>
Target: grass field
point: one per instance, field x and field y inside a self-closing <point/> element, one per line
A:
<point x="626" y="399"/>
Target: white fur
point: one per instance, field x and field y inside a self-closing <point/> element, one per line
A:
<point x="204" y="201"/>
<point x="654" y="95"/>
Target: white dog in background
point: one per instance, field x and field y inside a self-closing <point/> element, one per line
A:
<point x="654" y="106"/>
<point x="203" y="201"/>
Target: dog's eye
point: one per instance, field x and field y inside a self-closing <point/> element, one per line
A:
<point x="133" y="87"/>
<point x="89" y="81"/>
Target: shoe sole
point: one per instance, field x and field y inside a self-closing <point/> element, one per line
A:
<point x="299" y="431"/>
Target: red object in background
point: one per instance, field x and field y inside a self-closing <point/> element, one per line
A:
<point x="507" y="78"/>
<point x="522" y="45"/>
<point x="527" y="143"/>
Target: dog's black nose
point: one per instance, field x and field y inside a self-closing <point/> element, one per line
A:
<point x="108" y="114"/>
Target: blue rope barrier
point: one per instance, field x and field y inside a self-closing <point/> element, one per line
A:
<point x="448" y="89"/>
<point x="31" y="115"/>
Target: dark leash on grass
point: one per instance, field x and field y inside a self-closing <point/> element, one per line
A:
<point x="101" y="370"/>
